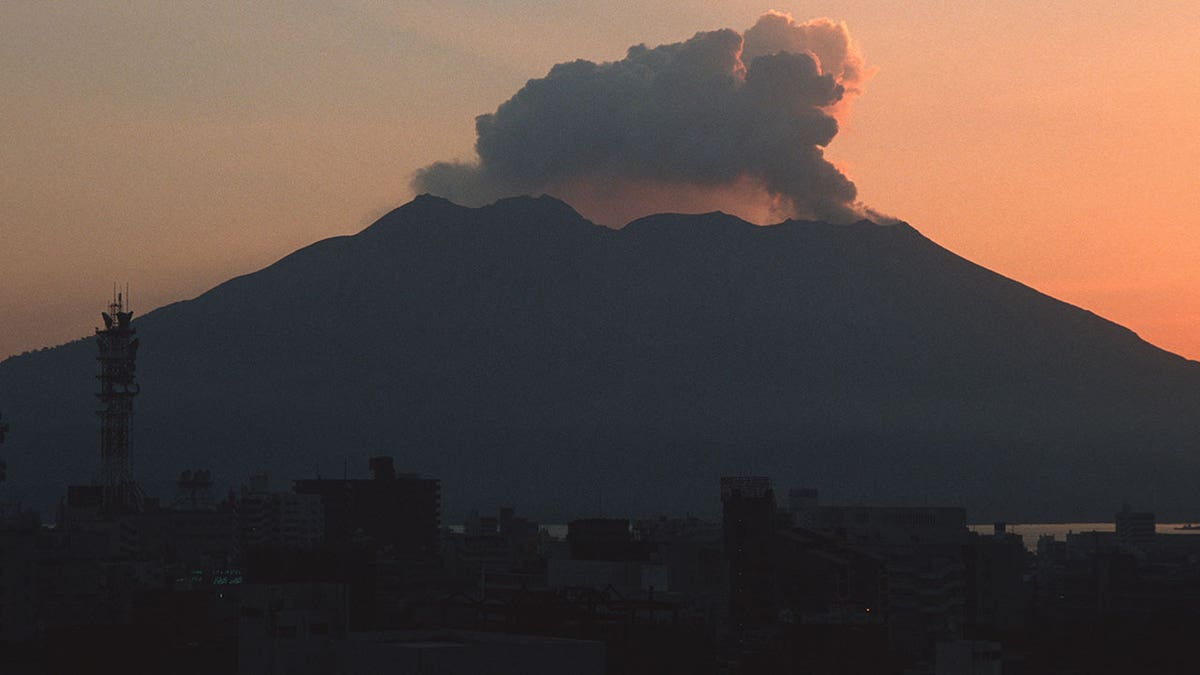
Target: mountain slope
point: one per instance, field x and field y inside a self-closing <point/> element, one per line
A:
<point x="524" y="355"/>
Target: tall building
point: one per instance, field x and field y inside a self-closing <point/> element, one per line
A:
<point x="194" y="490"/>
<point x="1135" y="529"/>
<point x="923" y="547"/>
<point x="385" y="534"/>
<point x="278" y="519"/>
<point x="748" y="508"/>
<point x="398" y="511"/>
<point x="997" y="595"/>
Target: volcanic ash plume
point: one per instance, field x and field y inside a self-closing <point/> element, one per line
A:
<point x="722" y="121"/>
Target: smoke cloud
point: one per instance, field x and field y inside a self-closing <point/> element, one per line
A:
<point x="725" y="120"/>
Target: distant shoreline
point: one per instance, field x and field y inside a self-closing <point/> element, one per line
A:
<point x="1031" y="532"/>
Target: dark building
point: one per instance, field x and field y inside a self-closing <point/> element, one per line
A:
<point x="18" y="576"/>
<point x="382" y="537"/>
<point x="800" y="600"/>
<point x="398" y="511"/>
<point x="604" y="555"/>
<point x="691" y="550"/>
<point x="749" y="518"/>
<point x="923" y="547"/>
<point x="303" y="629"/>
<point x="1135" y="529"/>
<point x="999" y="593"/>
<point x="494" y="553"/>
<point x="601" y="539"/>
<point x="821" y="580"/>
<point x="283" y="520"/>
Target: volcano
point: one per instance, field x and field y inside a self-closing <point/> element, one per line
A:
<point x="526" y="356"/>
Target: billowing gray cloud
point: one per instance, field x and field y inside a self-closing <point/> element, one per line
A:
<point x="743" y="117"/>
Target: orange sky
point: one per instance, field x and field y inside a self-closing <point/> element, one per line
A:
<point x="176" y="145"/>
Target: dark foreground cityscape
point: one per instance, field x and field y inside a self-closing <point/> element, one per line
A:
<point x="361" y="575"/>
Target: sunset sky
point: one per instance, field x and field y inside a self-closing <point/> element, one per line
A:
<point x="175" y="145"/>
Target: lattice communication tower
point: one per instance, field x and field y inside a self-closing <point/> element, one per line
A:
<point x="118" y="351"/>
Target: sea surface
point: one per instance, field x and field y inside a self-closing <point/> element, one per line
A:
<point x="1031" y="531"/>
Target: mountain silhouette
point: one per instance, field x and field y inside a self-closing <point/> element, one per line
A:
<point x="526" y="356"/>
